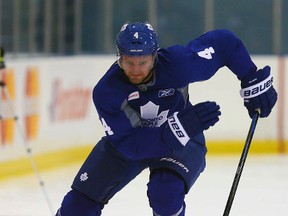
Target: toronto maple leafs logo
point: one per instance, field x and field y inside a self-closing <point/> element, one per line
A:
<point x="84" y="176"/>
<point x="150" y="117"/>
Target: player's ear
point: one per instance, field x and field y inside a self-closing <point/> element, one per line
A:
<point x="119" y="59"/>
<point x="119" y="63"/>
<point x="155" y="59"/>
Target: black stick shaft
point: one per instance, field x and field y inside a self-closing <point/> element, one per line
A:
<point x="241" y="164"/>
<point x="2" y="63"/>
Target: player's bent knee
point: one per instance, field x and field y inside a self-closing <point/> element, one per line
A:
<point x="77" y="204"/>
<point x="166" y="192"/>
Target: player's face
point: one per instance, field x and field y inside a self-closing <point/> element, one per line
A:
<point x="137" y="68"/>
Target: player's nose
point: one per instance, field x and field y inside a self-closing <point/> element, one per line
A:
<point x="135" y="70"/>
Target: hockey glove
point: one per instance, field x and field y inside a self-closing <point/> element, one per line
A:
<point x="190" y="122"/>
<point x="258" y="92"/>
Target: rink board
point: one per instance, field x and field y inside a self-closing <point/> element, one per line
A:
<point x="51" y="98"/>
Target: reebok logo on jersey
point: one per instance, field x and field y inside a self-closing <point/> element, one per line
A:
<point x="166" y="92"/>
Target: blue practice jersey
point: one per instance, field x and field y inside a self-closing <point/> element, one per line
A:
<point x="134" y="116"/>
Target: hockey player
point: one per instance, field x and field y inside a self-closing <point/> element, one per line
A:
<point x="142" y="102"/>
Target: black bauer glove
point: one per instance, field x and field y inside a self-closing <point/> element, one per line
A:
<point x="258" y="92"/>
<point x="189" y="123"/>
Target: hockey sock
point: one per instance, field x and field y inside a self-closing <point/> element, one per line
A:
<point x="166" y="192"/>
<point x="77" y="204"/>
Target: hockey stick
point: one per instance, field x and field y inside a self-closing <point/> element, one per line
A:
<point x="28" y="149"/>
<point x="241" y="164"/>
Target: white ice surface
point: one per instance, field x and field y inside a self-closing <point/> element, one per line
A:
<point x="262" y="191"/>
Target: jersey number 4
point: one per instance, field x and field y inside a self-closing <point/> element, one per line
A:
<point x="206" y="53"/>
<point x="106" y="127"/>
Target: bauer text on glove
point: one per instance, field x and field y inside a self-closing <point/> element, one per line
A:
<point x="258" y="92"/>
<point x="182" y="126"/>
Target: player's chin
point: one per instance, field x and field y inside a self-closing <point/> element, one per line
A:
<point x="136" y="80"/>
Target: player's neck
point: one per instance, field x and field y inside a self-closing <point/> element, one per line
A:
<point x="148" y="78"/>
